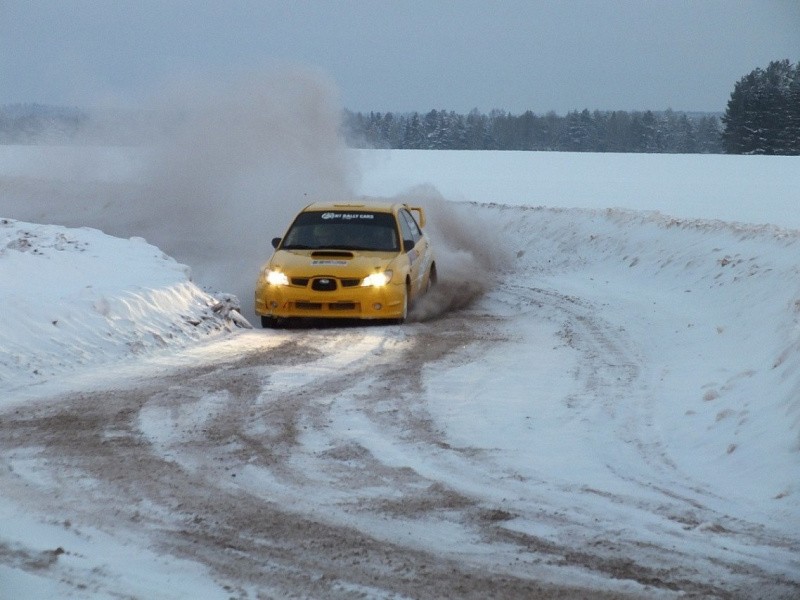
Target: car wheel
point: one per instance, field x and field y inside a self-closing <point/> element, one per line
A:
<point x="402" y="319"/>
<point x="269" y="322"/>
<point x="432" y="278"/>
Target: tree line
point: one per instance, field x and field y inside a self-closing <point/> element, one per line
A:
<point x="616" y="131"/>
<point x="598" y="131"/>
<point x="762" y="117"/>
<point x="39" y="123"/>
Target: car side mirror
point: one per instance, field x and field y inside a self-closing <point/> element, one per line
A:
<point x="276" y="242"/>
<point x="408" y="245"/>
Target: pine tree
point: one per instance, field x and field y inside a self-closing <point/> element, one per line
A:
<point x="413" y="136"/>
<point x="791" y="134"/>
<point x="761" y="116"/>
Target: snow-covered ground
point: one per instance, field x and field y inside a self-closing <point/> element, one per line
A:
<point x="748" y="189"/>
<point x="77" y="298"/>
<point x="618" y="410"/>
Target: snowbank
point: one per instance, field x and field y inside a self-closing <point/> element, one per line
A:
<point x="78" y="297"/>
<point x="714" y="311"/>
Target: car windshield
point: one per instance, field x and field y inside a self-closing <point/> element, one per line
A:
<point x="342" y="230"/>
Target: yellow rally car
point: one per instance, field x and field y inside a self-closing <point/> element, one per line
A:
<point x="352" y="261"/>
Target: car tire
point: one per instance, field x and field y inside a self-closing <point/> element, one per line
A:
<point x="432" y="278"/>
<point x="269" y="322"/>
<point x="402" y="319"/>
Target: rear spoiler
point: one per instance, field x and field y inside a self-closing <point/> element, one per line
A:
<point x="419" y="216"/>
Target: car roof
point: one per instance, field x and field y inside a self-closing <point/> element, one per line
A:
<point x="387" y="207"/>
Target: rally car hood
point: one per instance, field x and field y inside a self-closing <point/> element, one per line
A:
<point x="336" y="263"/>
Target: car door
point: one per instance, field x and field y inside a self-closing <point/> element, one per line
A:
<point x="418" y="255"/>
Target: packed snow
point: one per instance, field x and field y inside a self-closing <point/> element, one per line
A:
<point x="630" y="384"/>
<point x="78" y="297"/>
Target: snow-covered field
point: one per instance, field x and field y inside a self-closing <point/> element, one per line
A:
<point x="616" y="412"/>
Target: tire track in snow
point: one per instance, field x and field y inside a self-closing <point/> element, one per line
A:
<point x="316" y="467"/>
<point x="165" y="461"/>
<point x="611" y="373"/>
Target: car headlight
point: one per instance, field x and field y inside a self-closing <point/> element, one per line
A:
<point x="274" y="277"/>
<point x="377" y="279"/>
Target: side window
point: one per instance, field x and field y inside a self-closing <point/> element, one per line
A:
<point x="412" y="226"/>
<point x="405" y="228"/>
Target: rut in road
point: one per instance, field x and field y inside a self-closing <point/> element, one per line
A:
<point x="261" y="468"/>
<point x="180" y="491"/>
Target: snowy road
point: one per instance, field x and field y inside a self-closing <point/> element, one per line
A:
<point x="559" y="436"/>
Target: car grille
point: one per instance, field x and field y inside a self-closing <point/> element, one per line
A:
<point x="323" y="284"/>
<point x="320" y="285"/>
<point x="308" y="305"/>
<point x="342" y="306"/>
<point x="327" y="306"/>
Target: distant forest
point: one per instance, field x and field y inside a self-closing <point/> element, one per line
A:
<point x="39" y="124"/>
<point x="616" y="131"/>
<point x="762" y="117"/>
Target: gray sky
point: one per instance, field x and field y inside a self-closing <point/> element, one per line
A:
<point x="402" y="55"/>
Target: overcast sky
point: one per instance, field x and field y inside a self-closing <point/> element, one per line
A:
<point x="403" y="55"/>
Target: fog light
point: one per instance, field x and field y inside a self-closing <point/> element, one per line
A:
<point x="377" y="306"/>
<point x="273" y="304"/>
